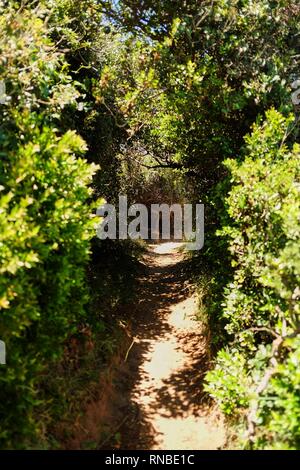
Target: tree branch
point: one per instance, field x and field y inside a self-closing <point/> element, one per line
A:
<point x="276" y="346"/>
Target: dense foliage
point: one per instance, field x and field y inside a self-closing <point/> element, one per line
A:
<point x="257" y="373"/>
<point x="172" y="100"/>
<point x="45" y="224"/>
<point x="46" y="220"/>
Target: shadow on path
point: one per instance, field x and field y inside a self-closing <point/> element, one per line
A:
<point x="159" y="389"/>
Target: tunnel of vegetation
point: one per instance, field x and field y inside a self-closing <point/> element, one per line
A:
<point x="180" y="99"/>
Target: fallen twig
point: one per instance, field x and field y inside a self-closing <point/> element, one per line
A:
<point x="128" y="350"/>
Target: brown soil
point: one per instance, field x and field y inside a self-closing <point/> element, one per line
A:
<point x="158" y="400"/>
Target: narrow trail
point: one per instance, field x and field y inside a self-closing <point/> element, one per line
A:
<point x="159" y="399"/>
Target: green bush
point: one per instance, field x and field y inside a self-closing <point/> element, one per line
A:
<point x="45" y="223"/>
<point x="261" y="304"/>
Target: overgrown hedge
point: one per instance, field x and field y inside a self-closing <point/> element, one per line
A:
<point x="45" y="223"/>
<point x="256" y="378"/>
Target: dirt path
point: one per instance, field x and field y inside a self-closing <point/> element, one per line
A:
<point x="159" y="390"/>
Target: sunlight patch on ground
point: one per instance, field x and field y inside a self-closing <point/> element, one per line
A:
<point x="187" y="433"/>
<point x="167" y="247"/>
<point x="162" y="359"/>
<point x="183" y="314"/>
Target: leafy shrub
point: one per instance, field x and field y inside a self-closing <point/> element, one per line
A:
<point x="261" y="303"/>
<point x="280" y="405"/>
<point x="228" y="382"/>
<point x="45" y="223"/>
